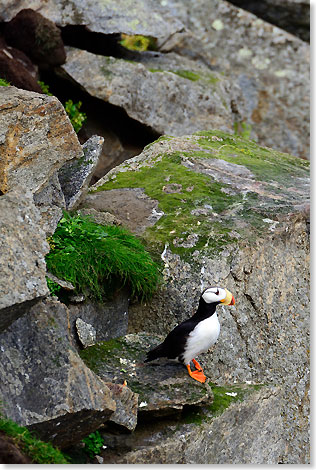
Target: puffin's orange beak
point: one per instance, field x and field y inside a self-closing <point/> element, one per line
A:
<point x="229" y="299"/>
<point x="232" y="301"/>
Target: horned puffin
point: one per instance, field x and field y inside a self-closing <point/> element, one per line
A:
<point x="195" y="335"/>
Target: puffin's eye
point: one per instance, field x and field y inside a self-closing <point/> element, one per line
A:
<point x="217" y="292"/>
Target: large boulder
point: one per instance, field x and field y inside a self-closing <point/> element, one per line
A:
<point x="187" y="97"/>
<point x="44" y="384"/>
<point x="291" y="15"/>
<point x="23" y="248"/>
<point x="270" y="66"/>
<point x="37" y="36"/>
<point x="144" y="17"/>
<point x="234" y="214"/>
<point x="17" y="69"/>
<point x="37" y="138"/>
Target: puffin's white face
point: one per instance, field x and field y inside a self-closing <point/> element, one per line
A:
<point x="218" y="294"/>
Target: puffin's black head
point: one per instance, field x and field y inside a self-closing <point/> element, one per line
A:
<point x="217" y="295"/>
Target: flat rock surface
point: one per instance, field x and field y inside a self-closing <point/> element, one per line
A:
<point x="183" y="102"/>
<point x="163" y="388"/>
<point x="144" y="17"/>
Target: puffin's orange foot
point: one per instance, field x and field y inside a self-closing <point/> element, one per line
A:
<point x="197" y="365"/>
<point x="196" y="374"/>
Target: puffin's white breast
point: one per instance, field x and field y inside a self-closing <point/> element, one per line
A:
<point x="201" y="338"/>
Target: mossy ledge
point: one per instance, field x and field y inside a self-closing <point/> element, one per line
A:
<point x="38" y="451"/>
<point x="213" y="188"/>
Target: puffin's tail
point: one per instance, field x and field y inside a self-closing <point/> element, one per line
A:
<point x="154" y="353"/>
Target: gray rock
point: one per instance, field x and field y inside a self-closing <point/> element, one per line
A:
<point x="44" y="384"/>
<point x="291" y="15"/>
<point x="132" y="207"/>
<point x="64" y="284"/>
<point x="183" y="101"/>
<point x="252" y="239"/>
<point x="125" y="415"/>
<point x="144" y="17"/>
<point x="50" y="201"/>
<point x="23" y="248"/>
<point x="99" y="217"/>
<point x="86" y="333"/>
<point x="270" y="66"/>
<point x="109" y="319"/>
<point x="37" y="136"/>
<point x="163" y="389"/>
<point x="247" y="432"/>
<point x="75" y="176"/>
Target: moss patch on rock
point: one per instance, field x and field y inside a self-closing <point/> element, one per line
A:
<point x="163" y="387"/>
<point x="214" y="189"/>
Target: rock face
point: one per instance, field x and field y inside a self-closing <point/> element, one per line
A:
<point x="23" y="248"/>
<point x="142" y="17"/>
<point x="270" y="66"/>
<point x="36" y="139"/>
<point x="206" y="437"/>
<point x="75" y="176"/>
<point x="37" y="36"/>
<point x="162" y="389"/>
<point x="186" y="99"/>
<point x="291" y="15"/>
<point x="61" y="399"/>
<point x="244" y="214"/>
<point x="109" y="319"/>
<point x="17" y="69"/>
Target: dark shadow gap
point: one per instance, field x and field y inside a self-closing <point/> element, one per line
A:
<point x="113" y="118"/>
<point x="81" y="37"/>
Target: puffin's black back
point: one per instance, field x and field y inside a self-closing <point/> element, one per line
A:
<point x="175" y="343"/>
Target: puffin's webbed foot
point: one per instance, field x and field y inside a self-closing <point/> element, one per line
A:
<point x="196" y="374"/>
<point x="197" y="365"/>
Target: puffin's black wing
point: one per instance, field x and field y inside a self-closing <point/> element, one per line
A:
<point x="174" y="344"/>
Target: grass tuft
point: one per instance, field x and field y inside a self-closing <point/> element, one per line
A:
<point x="40" y="452"/>
<point x="4" y="82"/>
<point x="97" y="259"/>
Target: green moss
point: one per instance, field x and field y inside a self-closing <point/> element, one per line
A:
<point x="203" y="213"/>
<point x="207" y="78"/>
<point x="223" y="398"/>
<point x="265" y="163"/>
<point x="39" y="452"/>
<point x="196" y="190"/>
<point x="187" y="74"/>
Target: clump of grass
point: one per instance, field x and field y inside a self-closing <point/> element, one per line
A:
<point x="97" y="259"/>
<point x="45" y="88"/>
<point x="4" y="82"/>
<point x="52" y="286"/>
<point x="77" y="118"/>
<point x="93" y="444"/>
<point x="39" y="452"/>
